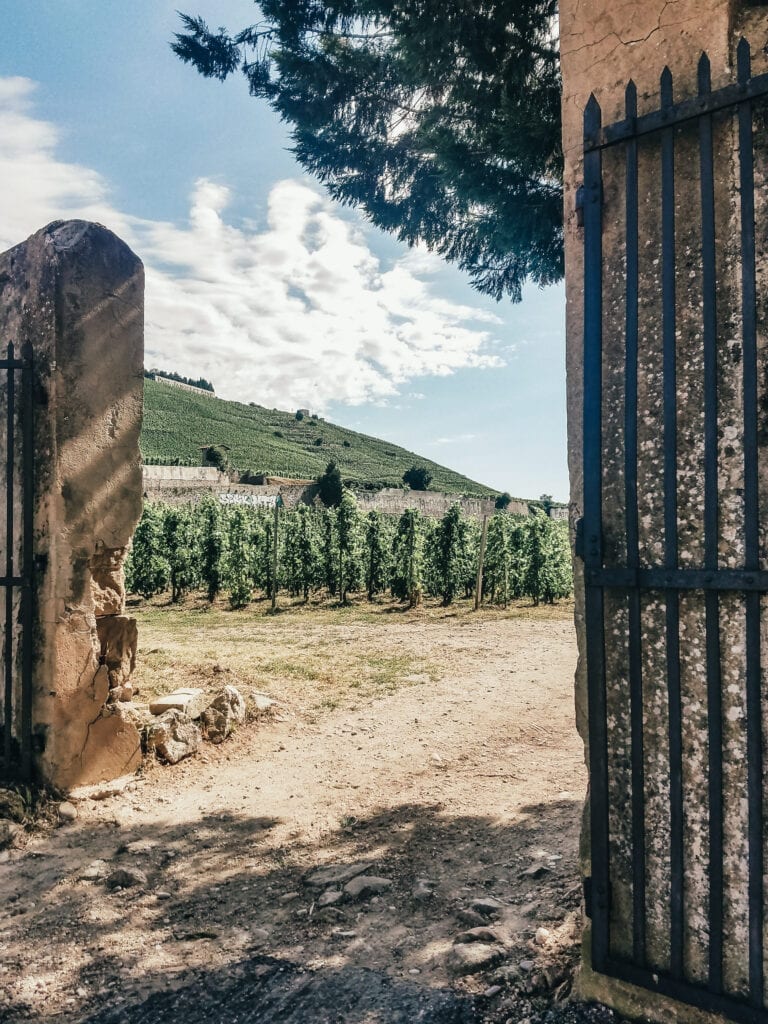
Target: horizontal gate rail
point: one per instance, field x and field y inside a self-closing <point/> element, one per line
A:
<point x="633" y="579"/>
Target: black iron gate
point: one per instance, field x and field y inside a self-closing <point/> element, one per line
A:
<point x="18" y="564"/>
<point x="619" y="575"/>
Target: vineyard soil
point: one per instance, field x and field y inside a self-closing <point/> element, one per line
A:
<point x="437" y="745"/>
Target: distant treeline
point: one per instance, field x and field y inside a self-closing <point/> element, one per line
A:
<point x="201" y="382"/>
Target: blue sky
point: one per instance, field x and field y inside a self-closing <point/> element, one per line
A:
<point x="254" y="278"/>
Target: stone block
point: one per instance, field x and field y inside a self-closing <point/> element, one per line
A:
<point x="191" y="700"/>
<point x="172" y="737"/>
<point x="225" y="711"/>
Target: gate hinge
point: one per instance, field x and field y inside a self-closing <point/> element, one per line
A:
<point x="580" y="199"/>
<point x="578" y="542"/>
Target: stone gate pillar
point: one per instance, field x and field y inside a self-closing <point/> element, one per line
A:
<point x="75" y="292"/>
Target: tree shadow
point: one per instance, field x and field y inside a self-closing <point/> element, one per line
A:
<point x="229" y="903"/>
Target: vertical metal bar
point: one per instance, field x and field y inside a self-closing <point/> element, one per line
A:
<point x="28" y="559"/>
<point x="8" y="709"/>
<point x="633" y="558"/>
<point x="593" y="557"/>
<point x="711" y="533"/>
<point x="669" y="328"/>
<point x="751" y="539"/>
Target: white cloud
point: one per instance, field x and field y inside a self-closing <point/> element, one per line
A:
<point x="456" y="439"/>
<point x="301" y="312"/>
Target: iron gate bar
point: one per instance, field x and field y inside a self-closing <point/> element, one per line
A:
<point x="633" y="555"/>
<point x="593" y="550"/>
<point x="669" y="579"/>
<point x="676" y="114"/>
<point x="28" y="559"/>
<point x="711" y="522"/>
<point x="751" y="540"/>
<point x="10" y="439"/>
<point x="671" y="597"/>
<point x="680" y="579"/>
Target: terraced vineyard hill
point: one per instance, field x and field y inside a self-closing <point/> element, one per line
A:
<point x="178" y="423"/>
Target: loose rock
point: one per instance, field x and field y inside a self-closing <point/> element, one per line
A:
<point x="487" y="935"/>
<point x="423" y="890"/>
<point x="67" y="811"/>
<point x="487" y="906"/>
<point x="329" y="898"/>
<point x="366" y="885"/>
<point x="173" y="736"/>
<point x="95" y="871"/>
<point x="225" y="711"/>
<point x="335" y="874"/>
<point x="191" y="700"/>
<point x="126" y="878"/>
<point x="470" y="958"/>
<point x="542" y="936"/>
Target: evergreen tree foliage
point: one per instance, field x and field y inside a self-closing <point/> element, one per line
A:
<point x="330" y="486"/>
<point x="146" y="569"/>
<point x="407" y="558"/>
<point x="239" y="558"/>
<point x="210" y="531"/>
<point x="179" y="546"/>
<point x="376" y="554"/>
<point x="418" y="478"/>
<point x="440" y="119"/>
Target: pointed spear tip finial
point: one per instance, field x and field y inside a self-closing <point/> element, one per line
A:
<point x="743" y="61"/>
<point x="704" y="73"/>
<point x="666" y="86"/>
<point x="630" y="96"/>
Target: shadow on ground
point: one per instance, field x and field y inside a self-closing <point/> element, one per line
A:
<point x="228" y="930"/>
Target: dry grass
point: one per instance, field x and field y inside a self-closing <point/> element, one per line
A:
<point x="311" y="657"/>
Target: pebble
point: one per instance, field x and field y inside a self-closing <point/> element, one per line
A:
<point x="542" y="936"/>
<point x="67" y="811"/>
<point x="491" y="991"/>
<point x="366" y="885"/>
<point x="330" y="897"/>
<point x="423" y="890"/>
<point x="163" y="895"/>
<point x="470" y="917"/>
<point x="473" y="957"/>
<point x="414" y="970"/>
<point x="95" y="871"/>
<point x="486" y="906"/>
<point x="526" y="965"/>
<point x="288" y="897"/>
<point x="486" y="935"/>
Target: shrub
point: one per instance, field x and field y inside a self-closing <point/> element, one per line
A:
<point x="418" y="478"/>
<point x="503" y="501"/>
<point x="330" y="486"/>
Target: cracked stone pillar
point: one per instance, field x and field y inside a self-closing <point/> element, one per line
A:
<point x="604" y="44"/>
<point x="76" y="292"/>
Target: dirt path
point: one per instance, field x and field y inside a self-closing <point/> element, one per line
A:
<point x="455" y="790"/>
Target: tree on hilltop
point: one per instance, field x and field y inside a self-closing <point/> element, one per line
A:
<point x="418" y="478"/>
<point x="439" y="119"/>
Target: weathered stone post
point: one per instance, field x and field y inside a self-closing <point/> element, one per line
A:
<point x="685" y="768"/>
<point x="75" y="292"/>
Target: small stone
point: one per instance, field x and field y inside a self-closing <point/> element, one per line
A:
<point x="487" y="906"/>
<point x="423" y="890"/>
<point x="330" y="897"/>
<point x="542" y="936"/>
<point x="334" y="874"/>
<point x="259" y="936"/>
<point x="163" y="895"/>
<point x="288" y="897"/>
<point x="473" y="957"/>
<point x="469" y="917"/>
<point x="344" y="935"/>
<point x="526" y="965"/>
<point x="95" y="871"/>
<point x="139" y="847"/>
<point x="414" y="971"/>
<point x="536" y="871"/>
<point x="366" y="885"/>
<point x="126" y="878"/>
<point x="491" y="991"/>
<point x="487" y="935"/>
<point x="67" y="811"/>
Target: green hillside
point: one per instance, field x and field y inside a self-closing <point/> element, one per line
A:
<point x="178" y="423"/>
